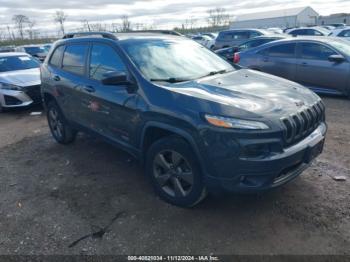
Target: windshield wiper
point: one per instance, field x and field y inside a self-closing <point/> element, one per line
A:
<point x="224" y="71"/>
<point x="170" y="80"/>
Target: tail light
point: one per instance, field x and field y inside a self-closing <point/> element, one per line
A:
<point x="236" y="58"/>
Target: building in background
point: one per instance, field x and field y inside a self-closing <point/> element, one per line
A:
<point x="293" y="17"/>
<point x="334" y="19"/>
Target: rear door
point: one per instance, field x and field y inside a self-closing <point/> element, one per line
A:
<point x="72" y="78"/>
<point x="314" y="68"/>
<point x="279" y="60"/>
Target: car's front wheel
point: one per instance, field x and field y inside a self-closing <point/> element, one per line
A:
<point x="60" y="129"/>
<point x="175" y="173"/>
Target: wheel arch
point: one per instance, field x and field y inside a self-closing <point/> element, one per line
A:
<point x="149" y="137"/>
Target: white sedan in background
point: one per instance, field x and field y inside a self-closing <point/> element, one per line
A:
<point x="19" y="80"/>
<point x="342" y="32"/>
<point x="204" y="40"/>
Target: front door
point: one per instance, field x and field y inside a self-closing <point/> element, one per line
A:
<point x="315" y="70"/>
<point x="109" y="110"/>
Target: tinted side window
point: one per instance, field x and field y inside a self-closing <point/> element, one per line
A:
<point x="197" y="38"/>
<point x="74" y="59"/>
<point x="284" y="50"/>
<point x="226" y="36"/>
<point x="345" y="33"/>
<point x="240" y="35"/>
<point x="299" y="32"/>
<point x="316" y="51"/>
<point x="254" y="34"/>
<point x="104" y="59"/>
<point x="314" y="32"/>
<point x="56" y="57"/>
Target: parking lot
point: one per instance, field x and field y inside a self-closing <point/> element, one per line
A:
<point x="53" y="195"/>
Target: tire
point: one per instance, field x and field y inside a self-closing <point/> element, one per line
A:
<point x="175" y="173"/>
<point x="60" y="129"/>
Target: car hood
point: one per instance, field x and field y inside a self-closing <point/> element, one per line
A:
<point x="251" y="91"/>
<point x="26" y="77"/>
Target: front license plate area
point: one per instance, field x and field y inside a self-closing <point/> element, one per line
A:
<point x="313" y="152"/>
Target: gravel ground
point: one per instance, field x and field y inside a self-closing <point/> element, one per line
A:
<point x="52" y="195"/>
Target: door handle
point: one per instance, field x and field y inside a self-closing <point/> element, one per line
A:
<point x="265" y="60"/>
<point x="89" y="89"/>
<point x="56" y="78"/>
<point x="304" y="64"/>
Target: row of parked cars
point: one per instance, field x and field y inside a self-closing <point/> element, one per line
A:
<point x="20" y="75"/>
<point x="313" y="56"/>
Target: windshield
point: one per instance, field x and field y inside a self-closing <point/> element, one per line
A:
<point x="174" y="59"/>
<point x="343" y="47"/>
<point x="35" y="50"/>
<point x="12" y="63"/>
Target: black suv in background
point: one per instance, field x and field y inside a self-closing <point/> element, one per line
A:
<point x="197" y="123"/>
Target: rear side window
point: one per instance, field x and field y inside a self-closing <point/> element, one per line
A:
<point x="255" y="34"/>
<point x="316" y="51"/>
<point x="74" y="59"/>
<point x="240" y="35"/>
<point x="314" y="32"/>
<point x="104" y="59"/>
<point x="56" y="57"/>
<point x="284" y="50"/>
<point x="225" y="36"/>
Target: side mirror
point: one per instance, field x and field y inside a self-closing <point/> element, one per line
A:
<point x="115" y="78"/>
<point x="336" y="58"/>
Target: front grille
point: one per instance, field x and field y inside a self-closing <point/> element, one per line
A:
<point x="12" y="101"/>
<point x="34" y="93"/>
<point x="298" y="126"/>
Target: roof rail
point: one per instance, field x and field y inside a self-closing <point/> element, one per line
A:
<point x="166" y="32"/>
<point x="91" y="34"/>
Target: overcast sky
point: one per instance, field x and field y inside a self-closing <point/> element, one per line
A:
<point x="162" y="13"/>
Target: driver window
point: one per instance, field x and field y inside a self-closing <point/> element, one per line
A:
<point x="104" y="59"/>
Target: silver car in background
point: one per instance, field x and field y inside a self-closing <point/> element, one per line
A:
<point x="19" y="80"/>
<point x="320" y="63"/>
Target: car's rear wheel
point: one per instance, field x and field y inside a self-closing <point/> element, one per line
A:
<point x="60" y="129"/>
<point x="175" y="173"/>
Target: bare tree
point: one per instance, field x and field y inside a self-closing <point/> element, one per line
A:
<point x="20" y="22"/>
<point x="191" y="22"/>
<point x="218" y="17"/>
<point x="30" y="30"/>
<point x="86" y="25"/>
<point x="60" y="18"/>
<point x="126" y="24"/>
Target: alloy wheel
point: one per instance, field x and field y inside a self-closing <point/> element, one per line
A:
<point x="173" y="173"/>
<point x="55" y="123"/>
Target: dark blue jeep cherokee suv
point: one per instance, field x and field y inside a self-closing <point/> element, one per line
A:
<point x="197" y="123"/>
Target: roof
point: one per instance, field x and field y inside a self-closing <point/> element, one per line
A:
<point x="323" y="39"/>
<point x="272" y="14"/>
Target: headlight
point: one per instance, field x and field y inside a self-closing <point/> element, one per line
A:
<point x="228" y="122"/>
<point x="6" y="86"/>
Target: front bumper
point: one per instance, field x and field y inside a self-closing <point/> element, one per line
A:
<point x="254" y="175"/>
<point x="20" y="98"/>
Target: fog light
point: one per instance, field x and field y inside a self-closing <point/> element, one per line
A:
<point x="255" y="151"/>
